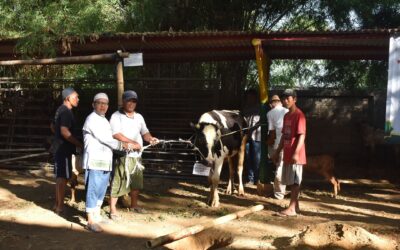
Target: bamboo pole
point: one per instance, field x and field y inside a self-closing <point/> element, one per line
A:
<point x="198" y="228"/>
<point x="68" y="60"/>
<point x="23" y="157"/>
<point x="263" y="66"/>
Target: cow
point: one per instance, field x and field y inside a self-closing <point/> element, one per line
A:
<point x="220" y="134"/>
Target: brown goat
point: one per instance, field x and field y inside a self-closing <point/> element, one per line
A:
<point x="323" y="165"/>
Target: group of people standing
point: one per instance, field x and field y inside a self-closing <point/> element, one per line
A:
<point x="124" y="133"/>
<point x="285" y="140"/>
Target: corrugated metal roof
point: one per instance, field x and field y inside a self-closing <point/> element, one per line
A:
<point x="230" y="45"/>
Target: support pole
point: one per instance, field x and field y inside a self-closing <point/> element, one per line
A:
<point x="120" y="79"/>
<point x="263" y="66"/>
<point x="198" y="228"/>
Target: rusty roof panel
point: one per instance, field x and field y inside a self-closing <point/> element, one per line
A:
<point x="230" y="45"/>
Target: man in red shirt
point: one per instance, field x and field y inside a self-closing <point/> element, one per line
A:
<point x="294" y="152"/>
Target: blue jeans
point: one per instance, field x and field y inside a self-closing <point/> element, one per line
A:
<point x="96" y="187"/>
<point x="253" y="155"/>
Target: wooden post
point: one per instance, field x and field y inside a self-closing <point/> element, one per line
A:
<point x="263" y="66"/>
<point x="120" y="79"/>
<point x="198" y="228"/>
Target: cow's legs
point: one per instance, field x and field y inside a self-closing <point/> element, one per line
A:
<point x="229" y="189"/>
<point x="213" y="200"/>
<point x="240" y="164"/>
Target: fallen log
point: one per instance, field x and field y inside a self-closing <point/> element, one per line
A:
<point x="198" y="228"/>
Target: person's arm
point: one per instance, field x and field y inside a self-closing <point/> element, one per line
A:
<point x="67" y="135"/>
<point x="120" y="137"/>
<point x="301" y="135"/>
<point x="271" y="137"/>
<point x="144" y="131"/>
<point x="150" y="139"/>
<point x="271" y="130"/>
<point x="300" y="144"/>
<point x="275" y="156"/>
<point x="52" y="128"/>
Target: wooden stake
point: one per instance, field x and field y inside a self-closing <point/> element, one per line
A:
<point x="198" y="228"/>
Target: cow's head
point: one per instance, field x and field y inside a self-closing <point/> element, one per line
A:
<point x="207" y="139"/>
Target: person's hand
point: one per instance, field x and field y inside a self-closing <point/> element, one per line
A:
<point x="154" y="141"/>
<point x="135" y="146"/>
<point x="295" y="158"/>
<point x="125" y="146"/>
<point x="275" y="157"/>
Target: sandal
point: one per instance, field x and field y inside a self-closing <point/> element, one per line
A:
<point x="138" y="210"/>
<point x="115" y="217"/>
<point x="94" y="227"/>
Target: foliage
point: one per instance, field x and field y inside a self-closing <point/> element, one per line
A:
<point x="39" y="24"/>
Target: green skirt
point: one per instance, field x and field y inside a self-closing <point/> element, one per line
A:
<point x="119" y="185"/>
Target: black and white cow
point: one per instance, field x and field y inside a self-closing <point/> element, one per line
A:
<point x="219" y="134"/>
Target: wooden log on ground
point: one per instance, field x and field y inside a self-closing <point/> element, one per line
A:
<point x="198" y="228"/>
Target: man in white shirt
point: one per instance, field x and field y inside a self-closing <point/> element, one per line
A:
<point x="97" y="158"/>
<point x="275" y="124"/>
<point x="129" y="126"/>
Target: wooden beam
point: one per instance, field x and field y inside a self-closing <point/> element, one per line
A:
<point x="111" y="57"/>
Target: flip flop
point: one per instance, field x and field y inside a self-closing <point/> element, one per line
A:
<point x="94" y="228"/>
<point x="138" y="210"/>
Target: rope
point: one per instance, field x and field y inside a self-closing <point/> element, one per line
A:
<point x="239" y="130"/>
<point x="187" y="142"/>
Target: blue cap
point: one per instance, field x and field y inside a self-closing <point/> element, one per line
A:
<point x="67" y="92"/>
<point x="128" y="95"/>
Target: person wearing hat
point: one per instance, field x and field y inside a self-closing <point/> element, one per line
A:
<point x="129" y="126"/>
<point x="65" y="134"/>
<point x="97" y="158"/>
<point x="275" y="124"/>
<point x="294" y="152"/>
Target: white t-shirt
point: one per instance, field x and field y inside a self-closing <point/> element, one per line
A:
<point x="252" y="117"/>
<point x="131" y="127"/>
<point x="98" y="142"/>
<point x="275" y="122"/>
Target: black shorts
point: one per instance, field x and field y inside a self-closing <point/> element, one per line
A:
<point x="63" y="165"/>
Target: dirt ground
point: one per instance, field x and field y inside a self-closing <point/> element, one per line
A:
<point x="366" y="215"/>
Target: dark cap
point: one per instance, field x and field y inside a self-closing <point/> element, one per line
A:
<point x="128" y="95"/>
<point x="67" y="92"/>
<point x="289" y="92"/>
